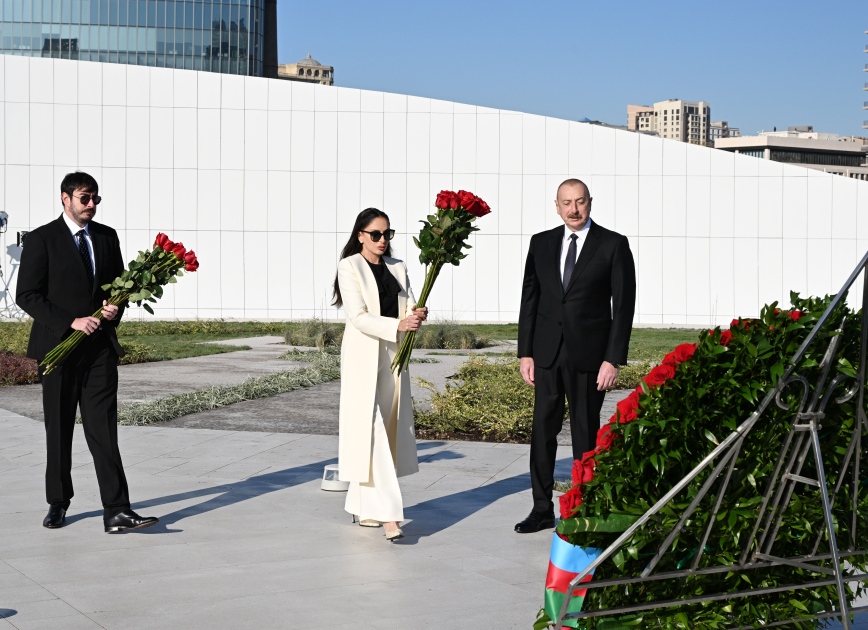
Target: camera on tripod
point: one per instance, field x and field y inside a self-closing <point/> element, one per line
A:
<point x="4" y="221"/>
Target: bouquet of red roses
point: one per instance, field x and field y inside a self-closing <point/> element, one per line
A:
<point x="140" y="283"/>
<point x="440" y="241"/>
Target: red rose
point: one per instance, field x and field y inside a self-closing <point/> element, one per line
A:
<point x="571" y="501"/>
<point x="471" y="207"/>
<point x="588" y="465"/>
<point x="669" y="359"/>
<point x="733" y="323"/>
<point x="465" y="198"/>
<point x="683" y="352"/>
<point x="444" y="199"/>
<point x="794" y="315"/>
<point x="190" y="256"/>
<point x="193" y="266"/>
<point x="168" y="245"/>
<point x="725" y="337"/>
<point x="179" y="250"/>
<point x="605" y="438"/>
<point x="628" y="406"/>
<point x="660" y="375"/>
<point x="577" y="472"/>
<point x="161" y="239"/>
<point x="479" y="208"/>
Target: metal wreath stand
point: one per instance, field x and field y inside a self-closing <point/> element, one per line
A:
<point x="803" y="439"/>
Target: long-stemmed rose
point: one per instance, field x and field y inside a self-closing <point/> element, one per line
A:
<point x="140" y="283"/>
<point x="441" y="239"/>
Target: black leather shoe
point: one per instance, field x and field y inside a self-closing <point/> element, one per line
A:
<point x="128" y="520"/>
<point x="535" y="522"/>
<point x="55" y="518"/>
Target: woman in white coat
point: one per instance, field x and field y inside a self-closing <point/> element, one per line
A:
<point x="377" y="441"/>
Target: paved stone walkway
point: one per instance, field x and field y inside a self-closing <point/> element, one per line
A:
<point x="313" y="410"/>
<point x="248" y="540"/>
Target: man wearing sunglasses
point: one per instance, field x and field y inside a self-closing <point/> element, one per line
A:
<point x="62" y="269"/>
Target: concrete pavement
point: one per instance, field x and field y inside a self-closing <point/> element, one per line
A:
<point x="248" y="540"/>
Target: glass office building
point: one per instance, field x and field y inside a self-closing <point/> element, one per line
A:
<point x="223" y="36"/>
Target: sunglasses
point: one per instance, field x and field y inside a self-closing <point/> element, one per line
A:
<point x="376" y="235"/>
<point x="85" y="199"/>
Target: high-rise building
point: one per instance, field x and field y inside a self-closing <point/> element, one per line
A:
<point x="226" y="36"/>
<point x="687" y="121"/>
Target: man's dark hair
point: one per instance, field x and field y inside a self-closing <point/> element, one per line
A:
<point x="78" y="181"/>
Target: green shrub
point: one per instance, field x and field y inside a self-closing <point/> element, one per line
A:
<point x="135" y="352"/>
<point x="449" y="335"/>
<point x="488" y="400"/>
<point x="631" y="374"/>
<point x="14" y="336"/>
<point x="314" y="333"/>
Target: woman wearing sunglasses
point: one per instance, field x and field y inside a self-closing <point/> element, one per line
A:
<point x="377" y="441"/>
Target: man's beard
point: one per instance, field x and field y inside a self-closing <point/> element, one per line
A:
<point x="81" y="217"/>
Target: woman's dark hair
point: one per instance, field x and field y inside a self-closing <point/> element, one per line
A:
<point x="354" y="246"/>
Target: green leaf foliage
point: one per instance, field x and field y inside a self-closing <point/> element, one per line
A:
<point x="682" y="421"/>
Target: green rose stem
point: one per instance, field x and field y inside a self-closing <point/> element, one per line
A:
<point x="400" y="361"/>
<point x="63" y="350"/>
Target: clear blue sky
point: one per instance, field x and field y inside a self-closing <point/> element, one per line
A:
<point x="760" y="64"/>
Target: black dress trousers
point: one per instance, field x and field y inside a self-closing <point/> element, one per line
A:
<point x="89" y="378"/>
<point x="552" y="384"/>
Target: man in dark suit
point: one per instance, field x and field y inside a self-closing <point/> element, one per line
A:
<point x="577" y="303"/>
<point x="62" y="267"/>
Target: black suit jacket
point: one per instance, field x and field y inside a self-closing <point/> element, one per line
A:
<point x="594" y="316"/>
<point x="53" y="287"/>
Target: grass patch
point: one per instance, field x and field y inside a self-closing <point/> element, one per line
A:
<point x="495" y="332"/>
<point x="170" y="347"/>
<point x="215" y="327"/>
<point x="326" y="367"/>
<point x="652" y="344"/>
<point x="486" y="401"/>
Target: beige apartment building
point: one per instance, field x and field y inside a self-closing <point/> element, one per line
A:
<point x="687" y="121"/>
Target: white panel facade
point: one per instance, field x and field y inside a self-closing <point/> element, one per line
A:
<point x="264" y="177"/>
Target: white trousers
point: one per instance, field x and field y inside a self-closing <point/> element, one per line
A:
<point x="380" y="498"/>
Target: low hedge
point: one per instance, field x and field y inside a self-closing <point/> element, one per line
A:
<point x="487" y="400"/>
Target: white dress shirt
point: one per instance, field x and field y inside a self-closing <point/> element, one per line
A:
<point x="75" y="230"/>
<point x="565" y="243"/>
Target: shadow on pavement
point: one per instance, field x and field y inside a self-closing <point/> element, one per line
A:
<point x="436" y="515"/>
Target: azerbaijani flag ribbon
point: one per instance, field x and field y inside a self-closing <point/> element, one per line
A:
<point x="566" y="562"/>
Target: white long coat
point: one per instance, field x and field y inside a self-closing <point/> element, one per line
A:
<point x="360" y="353"/>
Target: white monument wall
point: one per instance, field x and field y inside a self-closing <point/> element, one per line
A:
<point x="264" y="177"/>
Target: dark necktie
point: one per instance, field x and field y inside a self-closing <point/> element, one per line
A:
<point x="85" y="256"/>
<point x="570" y="262"/>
